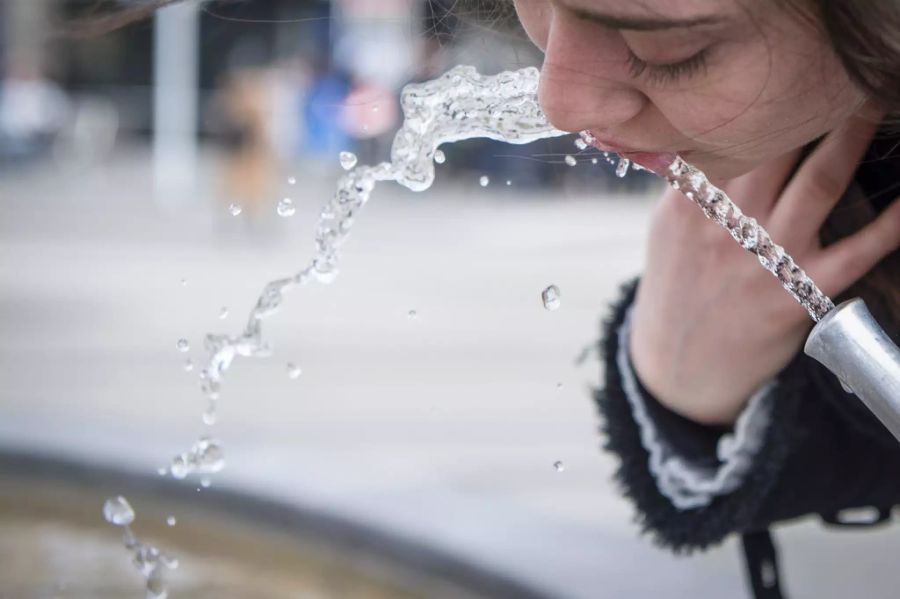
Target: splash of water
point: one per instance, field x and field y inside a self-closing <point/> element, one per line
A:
<point x="204" y="457"/>
<point x="461" y="104"/>
<point x="149" y="561"/>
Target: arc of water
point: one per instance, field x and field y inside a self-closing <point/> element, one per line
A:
<point x="461" y="104"/>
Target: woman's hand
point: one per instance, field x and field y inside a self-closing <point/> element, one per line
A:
<point x="710" y="325"/>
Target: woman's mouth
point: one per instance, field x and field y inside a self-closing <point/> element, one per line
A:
<point x="657" y="162"/>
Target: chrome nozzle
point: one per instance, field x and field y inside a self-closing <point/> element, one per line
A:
<point x="850" y="343"/>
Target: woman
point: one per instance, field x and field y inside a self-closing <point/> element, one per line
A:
<point x="721" y="423"/>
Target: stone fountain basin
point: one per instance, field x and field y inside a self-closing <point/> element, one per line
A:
<point x="54" y="542"/>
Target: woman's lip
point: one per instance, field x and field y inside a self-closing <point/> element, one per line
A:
<point x="606" y="145"/>
<point x="657" y="162"/>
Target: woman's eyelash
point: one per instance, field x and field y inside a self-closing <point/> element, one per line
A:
<point x="666" y="73"/>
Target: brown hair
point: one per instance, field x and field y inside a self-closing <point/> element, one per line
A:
<point x="866" y="38"/>
<point x="95" y="23"/>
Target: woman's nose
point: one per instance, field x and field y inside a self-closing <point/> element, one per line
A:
<point x="584" y="81"/>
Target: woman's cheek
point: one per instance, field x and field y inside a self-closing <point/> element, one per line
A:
<point x="722" y="111"/>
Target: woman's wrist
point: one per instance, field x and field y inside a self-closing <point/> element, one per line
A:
<point x="704" y="400"/>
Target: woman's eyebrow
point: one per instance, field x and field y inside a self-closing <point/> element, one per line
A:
<point x="642" y="23"/>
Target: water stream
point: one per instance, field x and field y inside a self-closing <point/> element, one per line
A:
<point x="459" y="105"/>
<point x="717" y="206"/>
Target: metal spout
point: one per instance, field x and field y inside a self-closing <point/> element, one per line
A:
<point x="849" y="343"/>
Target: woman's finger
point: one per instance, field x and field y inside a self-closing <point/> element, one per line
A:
<point x="757" y="192"/>
<point x="846" y="261"/>
<point x="823" y="178"/>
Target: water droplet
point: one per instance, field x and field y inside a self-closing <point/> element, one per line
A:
<point x="580" y="143"/>
<point x="559" y="386"/>
<point x="161" y="470"/>
<point x="622" y="167"/>
<point x="235" y="209"/>
<point x="179" y="467"/>
<point x="223" y="312"/>
<point x="209" y="416"/>
<point x="188" y="365"/>
<point x="292" y="181"/>
<point x="348" y="160"/>
<point x="484" y="180"/>
<point x="570" y="160"/>
<point x="204" y="457"/>
<point x="183" y="282"/>
<point x="205" y="482"/>
<point x="559" y="466"/>
<point x="293" y="370"/>
<point x="118" y="511"/>
<point x="550" y="297"/>
<point x="594" y="161"/>
<point x="376" y="108"/>
<point x="182" y="345"/>
<point x="286" y="207"/>
<point x="412" y="314"/>
<point x="171" y="521"/>
<point x="508" y="182"/>
<point x="440" y="157"/>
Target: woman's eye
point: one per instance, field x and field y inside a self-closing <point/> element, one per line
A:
<point x="666" y="73"/>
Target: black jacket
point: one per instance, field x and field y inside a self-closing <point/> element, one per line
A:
<point x="820" y="451"/>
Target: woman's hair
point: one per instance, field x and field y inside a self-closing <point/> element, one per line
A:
<point x="865" y="35"/>
<point x="94" y="23"/>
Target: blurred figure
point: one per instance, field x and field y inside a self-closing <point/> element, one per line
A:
<point x="291" y="81"/>
<point x="323" y="112"/>
<point x="33" y="110"/>
<point x="252" y="163"/>
<point x="371" y="115"/>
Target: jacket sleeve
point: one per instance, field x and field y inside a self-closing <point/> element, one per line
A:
<point x="802" y="445"/>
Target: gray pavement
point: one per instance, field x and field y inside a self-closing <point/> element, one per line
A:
<point x="443" y="428"/>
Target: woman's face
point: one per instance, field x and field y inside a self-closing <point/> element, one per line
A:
<point x="725" y="83"/>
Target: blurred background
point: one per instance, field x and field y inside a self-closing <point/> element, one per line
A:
<point x="442" y="428"/>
